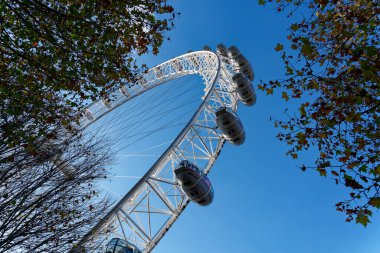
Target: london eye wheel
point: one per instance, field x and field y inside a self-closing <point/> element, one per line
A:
<point x="141" y="218"/>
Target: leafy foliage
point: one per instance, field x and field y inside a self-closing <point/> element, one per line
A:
<point x="333" y="64"/>
<point x="55" y="55"/>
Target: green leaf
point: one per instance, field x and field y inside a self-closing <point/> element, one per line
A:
<point x="289" y="70"/>
<point x="294" y="27"/>
<point x="307" y="49"/>
<point x="300" y="135"/>
<point x="348" y="177"/>
<point x="375" y="202"/>
<point x="262" y="2"/>
<point x="362" y="219"/>
<point x="285" y="96"/>
<point x="363" y="168"/>
<point x="302" y="110"/>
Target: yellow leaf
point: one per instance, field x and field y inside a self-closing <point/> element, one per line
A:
<point x="302" y="110"/>
<point x="377" y="170"/>
<point x="285" y="96"/>
<point x="279" y="47"/>
<point x="322" y="172"/>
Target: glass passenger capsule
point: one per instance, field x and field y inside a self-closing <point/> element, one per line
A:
<point x="222" y="50"/>
<point x="243" y="88"/>
<point x="194" y="183"/>
<point x="117" y="245"/>
<point x="230" y="125"/>
<point x="241" y="63"/>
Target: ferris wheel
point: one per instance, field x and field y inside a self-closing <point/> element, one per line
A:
<point x="143" y="216"/>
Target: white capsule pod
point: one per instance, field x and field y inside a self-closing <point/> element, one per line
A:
<point x="248" y="72"/>
<point x="194" y="183"/>
<point x="230" y="126"/>
<point x="206" y="48"/>
<point x="118" y="245"/>
<point x="244" y="90"/>
<point x="240" y="61"/>
<point x="222" y="50"/>
<point x="123" y="90"/>
<point x="88" y="115"/>
<point x="159" y="72"/>
<point x="177" y="65"/>
<point x="143" y="81"/>
<point x="243" y="66"/>
<point x="106" y="102"/>
<point x="233" y="52"/>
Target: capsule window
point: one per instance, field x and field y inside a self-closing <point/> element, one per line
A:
<point x="186" y="183"/>
<point x="226" y="122"/>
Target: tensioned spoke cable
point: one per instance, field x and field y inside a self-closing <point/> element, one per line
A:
<point x="158" y="129"/>
<point x="137" y="130"/>
<point x="136" y="155"/>
<point x="147" y="116"/>
<point x="136" y="123"/>
<point x="147" y="149"/>
<point x="132" y="177"/>
<point x="110" y="190"/>
<point x="141" y="102"/>
<point x="169" y="101"/>
<point x="117" y="115"/>
<point x="150" y="133"/>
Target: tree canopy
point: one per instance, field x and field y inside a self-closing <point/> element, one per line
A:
<point x="48" y="201"/>
<point x="56" y="55"/>
<point x="333" y="64"/>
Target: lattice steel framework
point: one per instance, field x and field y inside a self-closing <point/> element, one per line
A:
<point x="150" y="208"/>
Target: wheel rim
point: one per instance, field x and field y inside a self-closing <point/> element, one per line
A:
<point x="199" y="141"/>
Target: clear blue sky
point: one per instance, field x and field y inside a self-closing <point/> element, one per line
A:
<point x="263" y="203"/>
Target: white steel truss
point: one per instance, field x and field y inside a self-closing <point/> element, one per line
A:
<point x="150" y="208"/>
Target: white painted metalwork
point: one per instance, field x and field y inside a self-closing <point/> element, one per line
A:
<point x="150" y="208"/>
